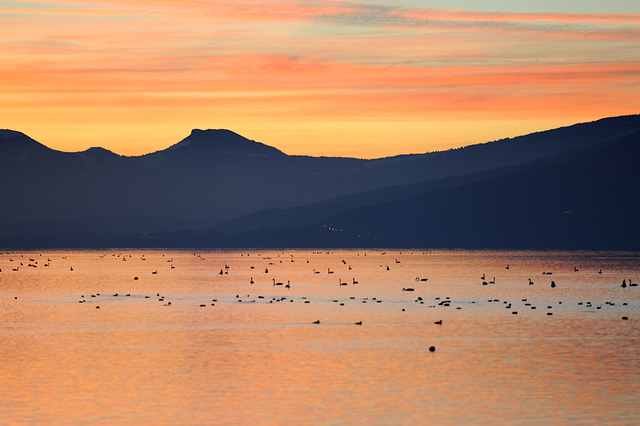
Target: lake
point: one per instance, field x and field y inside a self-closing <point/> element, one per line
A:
<point x="438" y="337"/>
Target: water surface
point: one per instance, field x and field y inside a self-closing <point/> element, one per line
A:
<point x="83" y="341"/>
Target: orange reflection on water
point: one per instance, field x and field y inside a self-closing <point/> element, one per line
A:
<point x="262" y="360"/>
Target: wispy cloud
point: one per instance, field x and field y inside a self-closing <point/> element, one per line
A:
<point x="320" y="61"/>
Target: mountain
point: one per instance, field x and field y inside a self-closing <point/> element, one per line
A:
<point x="466" y="165"/>
<point x="250" y="191"/>
<point x="580" y="200"/>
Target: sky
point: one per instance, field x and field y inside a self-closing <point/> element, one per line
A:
<point x="324" y="78"/>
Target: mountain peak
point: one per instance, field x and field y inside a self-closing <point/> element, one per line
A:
<point x="223" y="141"/>
<point x="97" y="150"/>
<point x="6" y="135"/>
<point x="16" y="146"/>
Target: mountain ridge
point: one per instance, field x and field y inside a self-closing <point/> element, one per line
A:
<point x="218" y="176"/>
<point x="200" y="135"/>
<point x="222" y="140"/>
<point x="571" y="203"/>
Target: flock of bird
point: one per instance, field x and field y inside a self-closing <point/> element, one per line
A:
<point x="434" y="302"/>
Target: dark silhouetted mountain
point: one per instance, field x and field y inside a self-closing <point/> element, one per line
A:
<point x="585" y="199"/>
<point x="18" y="147"/>
<point x="217" y="176"/>
<point x="559" y="141"/>
<point x="220" y="141"/>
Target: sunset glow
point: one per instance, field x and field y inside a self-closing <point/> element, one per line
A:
<point x="329" y="78"/>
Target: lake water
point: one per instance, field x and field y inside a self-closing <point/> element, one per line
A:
<point x="84" y="342"/>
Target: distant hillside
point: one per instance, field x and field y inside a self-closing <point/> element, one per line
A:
<point x="256" y="193"/>
<point x="588" y="199"/>
<point x="505" y="156"/>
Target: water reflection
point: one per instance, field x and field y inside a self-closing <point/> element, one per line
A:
<point x="252" y="353"/>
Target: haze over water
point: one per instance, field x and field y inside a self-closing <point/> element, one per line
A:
<point x="225" y="351"/>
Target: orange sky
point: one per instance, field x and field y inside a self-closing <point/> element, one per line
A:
<point x="311" y="77"/>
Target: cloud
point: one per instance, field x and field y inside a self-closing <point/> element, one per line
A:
<point x="310" y="60"/>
